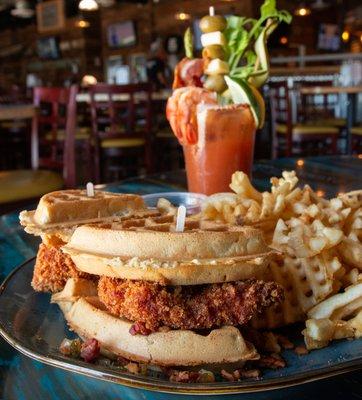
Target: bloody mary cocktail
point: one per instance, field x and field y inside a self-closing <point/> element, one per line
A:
<point x="216" y="105"/>
<point x="225" y="144"/>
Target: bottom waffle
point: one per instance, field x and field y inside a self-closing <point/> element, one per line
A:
<point x="87" y="317"/>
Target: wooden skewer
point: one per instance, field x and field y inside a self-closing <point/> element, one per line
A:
<point x="180" y="220"/>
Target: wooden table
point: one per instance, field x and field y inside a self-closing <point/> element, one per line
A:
<point x="351" y="92"/>
<point x="13" y="112"/>
<point x="156" y="96"/>
<point x="16" y="112"/>
<point x="24" y="378"/>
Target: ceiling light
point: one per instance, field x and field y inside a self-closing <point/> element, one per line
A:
<point x="181" y="16"/>
<point x="88" y="5"/>
<point x="302" y="10"/>
<point x="89" y="80"/>
<point x="82" y="23"/>
<point x="283" y="40"/>
<point x="345" y="36"/>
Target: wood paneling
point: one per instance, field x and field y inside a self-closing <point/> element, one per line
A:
<point x="80" y="47"/>
<point x="158" y="19"/>
<point x="18" y="52"/>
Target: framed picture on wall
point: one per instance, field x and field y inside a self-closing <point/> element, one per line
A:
<point x="50" y="15"/>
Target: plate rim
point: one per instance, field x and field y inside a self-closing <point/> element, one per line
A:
<point x="165" y="387"/>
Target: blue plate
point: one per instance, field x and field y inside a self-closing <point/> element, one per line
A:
<point x="36" y="328"/>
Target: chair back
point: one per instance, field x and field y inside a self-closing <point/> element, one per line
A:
<point x="121" y="110"/>
<point x="312" y="107"/>
<point x="281" y="113"/>
<point x="57" y="109"/>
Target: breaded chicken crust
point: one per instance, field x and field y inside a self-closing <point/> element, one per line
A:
<point x="53" y="268"/>
<point x="151" y="306"/>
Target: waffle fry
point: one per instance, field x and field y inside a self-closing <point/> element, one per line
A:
<point x="320" y="240"/>
<point x="352" y="199"/>
<point x="319" y="332"/>
<point x="250" y="207"/>
<point x="289" y="311"/>
<point x="305" y="240"/>
<point x="164" y="206"/>
<point x="356" y="324"/>
<point x="338" y="317"/>
<point x="241" y="185"/>
<point x="327" y="308"/>
<point x="306" y="282"/>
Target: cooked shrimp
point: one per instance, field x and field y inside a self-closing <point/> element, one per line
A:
<point x="188" y="72"/>
<point x="181" y="111"/>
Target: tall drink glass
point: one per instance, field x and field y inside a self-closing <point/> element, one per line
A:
<point x="226" y="136"/>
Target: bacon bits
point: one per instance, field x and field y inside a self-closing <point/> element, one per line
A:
<point x="139" y="328"/>
<point x="272" y="362"/>
<point x="184" y="376"/>
<point x="90" y="350"/>
<point x="239" y="374"/>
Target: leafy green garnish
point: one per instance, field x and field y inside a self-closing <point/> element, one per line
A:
<point x="245" y="58"/>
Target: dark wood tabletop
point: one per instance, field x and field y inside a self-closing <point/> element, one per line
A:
<point x="14" y="112"/>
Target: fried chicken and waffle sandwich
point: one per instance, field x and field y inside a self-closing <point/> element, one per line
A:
<point x="148" y="293"/>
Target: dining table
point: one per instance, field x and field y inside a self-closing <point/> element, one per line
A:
<point x="14" y="112"/>
<point x="162" y="95"/>
<point x="23" y="378"/>
<point x="351" y="92"/>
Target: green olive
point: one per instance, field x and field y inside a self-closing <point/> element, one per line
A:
<point x="216" y="83"/>
<point x="212" y="23"/>
<point x="213" y="51"/>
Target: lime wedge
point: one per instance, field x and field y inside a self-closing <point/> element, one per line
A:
<point x="243" y="93"/>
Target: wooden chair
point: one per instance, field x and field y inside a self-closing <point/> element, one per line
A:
<point x="122" y="128"/>
<point x="294" y="138"/>
<point x="18" y="187"/>
<point x="356" y="133"/>
<point x="319" y="109"/>
<point x="52" y="133"/>
<point x="14" y="137"/>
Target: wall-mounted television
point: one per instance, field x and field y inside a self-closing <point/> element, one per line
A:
<point x="121" y="34"/>
<point x="329" y="37"/>
<point x="48" y="48"/>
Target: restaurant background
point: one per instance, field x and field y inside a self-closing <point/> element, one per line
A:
<point x="83" y="46"/>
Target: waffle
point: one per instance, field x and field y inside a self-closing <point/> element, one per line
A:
<point x="67" y="209"/>
<point x="146" y="246"/>
<point x="87" y="317"/>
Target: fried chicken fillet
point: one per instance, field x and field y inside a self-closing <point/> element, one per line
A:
<point x="53" y="268"/>
<point x="151" y="305"/>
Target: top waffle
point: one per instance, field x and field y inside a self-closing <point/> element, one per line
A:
<point x="145" y="246"/>
<point x="152" y="235"/>
<point x="72" y="207"/>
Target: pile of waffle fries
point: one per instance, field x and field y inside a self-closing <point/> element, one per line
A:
<point x="320" y="262"/>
